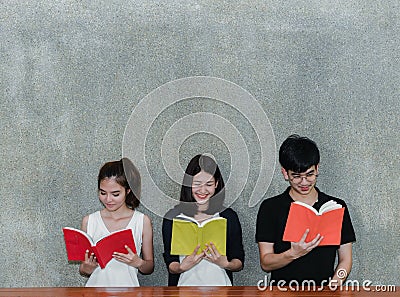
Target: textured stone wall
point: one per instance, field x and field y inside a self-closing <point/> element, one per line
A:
<point x="73" y="72"/>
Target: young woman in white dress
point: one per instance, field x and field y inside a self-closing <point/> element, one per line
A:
<point x="119" y="191"/>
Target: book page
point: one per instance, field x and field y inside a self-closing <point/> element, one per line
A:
<point x="305" y="205"/>
<point x="328" y="206"/>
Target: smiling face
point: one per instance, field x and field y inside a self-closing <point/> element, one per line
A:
<point x="203" y="187"/>
<point x="112" y="194"/>
<point x="302" y="184"/>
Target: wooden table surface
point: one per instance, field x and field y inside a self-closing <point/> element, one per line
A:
<point x="245" y="291"/>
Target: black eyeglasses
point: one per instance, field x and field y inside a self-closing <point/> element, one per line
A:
<point x="298" y="178"/>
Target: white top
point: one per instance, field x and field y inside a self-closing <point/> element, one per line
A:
<point x="115" y="274"/>
<point x="204" y="273"/>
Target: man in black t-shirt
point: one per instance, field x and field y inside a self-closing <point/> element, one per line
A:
<point x="301" y="262"/>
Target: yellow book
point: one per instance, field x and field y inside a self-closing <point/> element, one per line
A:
<point x="187" y="233"/>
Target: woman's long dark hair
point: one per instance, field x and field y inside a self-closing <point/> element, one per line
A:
<point x="187" y="203"/>
<point x="126" y="175"/>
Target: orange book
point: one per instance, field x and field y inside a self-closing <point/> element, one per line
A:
<point x="78" y="242"/>
<point x="327" y="222"/>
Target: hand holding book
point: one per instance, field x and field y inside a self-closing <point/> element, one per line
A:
<point x="301" y="248"/>
<point x="210" y="253"/>
<point x="89" y="264"/>
<point x="191" y="260"/>
<point x="130" y="258"/>
<point x="80" y="246"/>
<point x="214" y="256"/>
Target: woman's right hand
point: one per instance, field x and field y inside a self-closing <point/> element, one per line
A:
<point x="89" y="265"/>
<point x="191" y="260"/>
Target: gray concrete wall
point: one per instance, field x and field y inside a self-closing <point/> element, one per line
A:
<point x="72" y="72"/>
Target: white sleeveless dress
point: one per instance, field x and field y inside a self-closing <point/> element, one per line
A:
<point x="115" y="274"/>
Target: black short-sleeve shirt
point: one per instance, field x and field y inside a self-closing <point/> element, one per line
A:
<point x="318" y="265"/>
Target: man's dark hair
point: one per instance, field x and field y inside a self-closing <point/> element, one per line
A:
<point x="298" y="153"/>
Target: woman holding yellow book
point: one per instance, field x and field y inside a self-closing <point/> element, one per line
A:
<point x="209" y="262"/>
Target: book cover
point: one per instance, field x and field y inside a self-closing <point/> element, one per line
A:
<point x="187" y="234"/>
<point x="78" y="242"/>
<point x="327" y="222"/>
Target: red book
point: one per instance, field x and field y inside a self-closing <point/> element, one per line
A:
<point x="327" y="222"/>
<point x="78" y="242"/>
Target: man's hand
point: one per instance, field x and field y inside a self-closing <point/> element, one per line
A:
<point x="301" y="248"/>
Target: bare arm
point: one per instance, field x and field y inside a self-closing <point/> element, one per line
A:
<point x="144" y="264"/>
<point x="147" y="247"/>
<point x="84" y="223"/>
<point x="345" y="262"/>
<point x="271" y="261"/>
<point x="89" y="265"/>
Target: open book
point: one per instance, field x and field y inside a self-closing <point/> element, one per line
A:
<point x="187" y="233"/>
<point x="327" y="222"/>
<point x="78" y="242"/>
